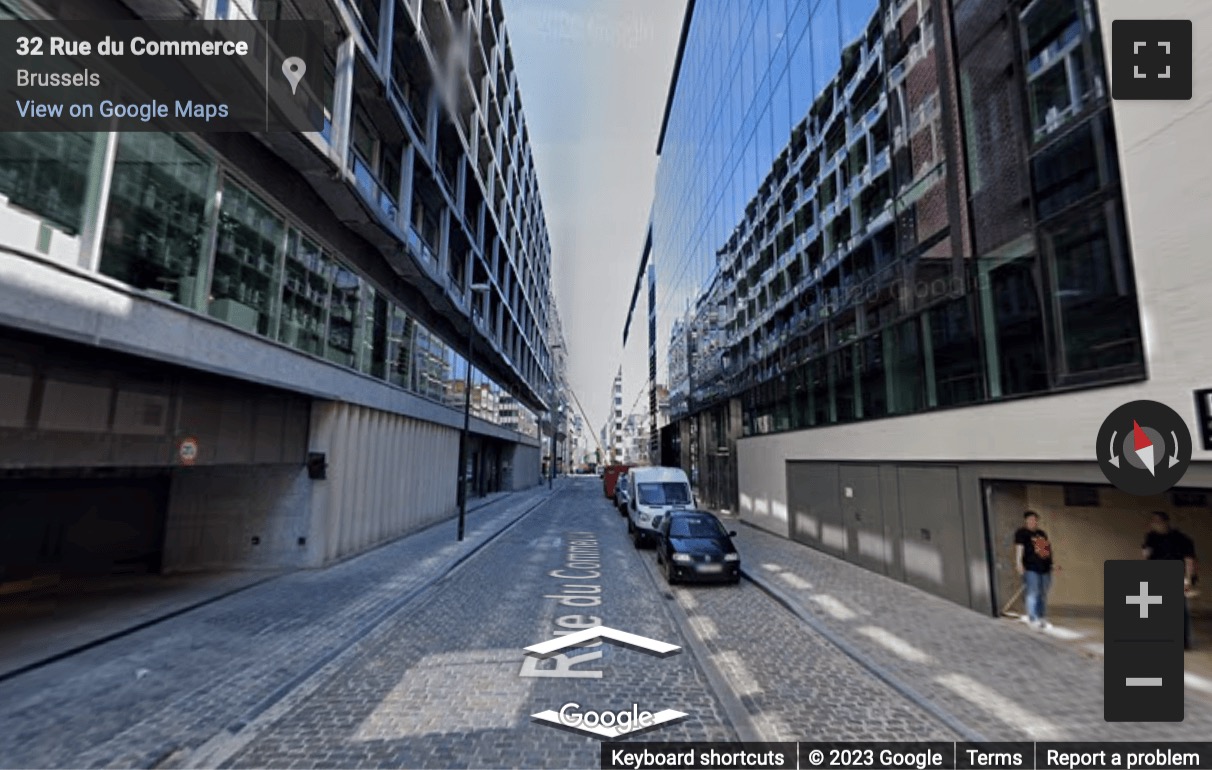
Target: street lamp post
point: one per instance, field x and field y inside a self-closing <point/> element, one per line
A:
<point x="554" y="429"/>
<point x="476" y="288"/>
<point x="554" y="396"/>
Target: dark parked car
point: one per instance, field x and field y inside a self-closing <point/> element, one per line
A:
<point x="621" y="492"/>
<point x="693" y="545"/>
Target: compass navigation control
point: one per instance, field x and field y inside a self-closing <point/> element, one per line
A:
<point x="1144" y="448"/>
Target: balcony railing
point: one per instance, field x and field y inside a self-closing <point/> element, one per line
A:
<point x="880" y="162"/>
<point x="873" y="114"/>
<point x="419" y="245"/>
<point x="373" y="189"/>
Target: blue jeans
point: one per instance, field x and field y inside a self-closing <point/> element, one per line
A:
<point x="1037" y="585"/>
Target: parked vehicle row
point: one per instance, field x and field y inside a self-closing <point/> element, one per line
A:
<point x="690" y="544"/>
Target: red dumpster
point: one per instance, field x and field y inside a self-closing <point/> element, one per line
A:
<point x="610" y="476"/>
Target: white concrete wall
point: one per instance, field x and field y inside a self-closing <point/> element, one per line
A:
<point x="387" y="475"/>
<point x="1167" y="188"/>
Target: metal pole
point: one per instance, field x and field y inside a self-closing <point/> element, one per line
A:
<point x="551" y="470"/>
<point x="462" y="493"/>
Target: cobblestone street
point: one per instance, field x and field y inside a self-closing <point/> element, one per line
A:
<point x="411" y="656"/>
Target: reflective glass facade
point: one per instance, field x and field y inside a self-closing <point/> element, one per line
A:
<point x="867" y="208"/>
<point x="858" y="215"/>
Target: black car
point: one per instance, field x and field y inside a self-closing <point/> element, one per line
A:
<point x="693" y="545"/>
<point x="620" y="495"/>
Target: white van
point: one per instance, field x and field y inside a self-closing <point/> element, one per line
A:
<point x="651" y="492"/>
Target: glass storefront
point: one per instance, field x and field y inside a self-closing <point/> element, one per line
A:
<point x="305" y="288"/>
<point x="247" y="261"/>
<point x="157" y="224"/>
<point x="46" y="174"/>
<point x="344" y="329"/>
<point x="242" y="261"/>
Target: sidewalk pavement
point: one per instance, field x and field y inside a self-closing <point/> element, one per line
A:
<point x="75" y="616"/>
<point x="999" y="677"/>
<point x="138" y="699"/>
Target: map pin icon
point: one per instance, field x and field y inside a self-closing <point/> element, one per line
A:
<point x="293" y="68"/>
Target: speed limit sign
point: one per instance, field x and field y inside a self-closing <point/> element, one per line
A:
<point x="187" y="451"/>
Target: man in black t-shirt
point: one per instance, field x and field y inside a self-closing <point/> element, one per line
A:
<point x="1165" y="542"/>
<point x="1033" y="560"/>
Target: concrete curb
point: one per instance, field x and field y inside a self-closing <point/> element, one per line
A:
<point x="734" y="708"/>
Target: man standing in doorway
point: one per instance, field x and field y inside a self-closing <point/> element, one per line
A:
<point x="1165" y="542"/>
<point x="1033" y="560"/>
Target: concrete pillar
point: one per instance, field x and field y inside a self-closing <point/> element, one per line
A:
<point x="387" y="15"/>
<point x="359" y="473"/>
<point x="409" y="468"/>
<point x="96" y="199"/>
<point x="342" y="108"/>
<point x="394" y="466"/>
<point x="341" y="483"/>
<point x="386" y="427"/>
<point x="324" y="417"/>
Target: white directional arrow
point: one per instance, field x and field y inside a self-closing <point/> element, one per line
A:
<point x="613" y="731"/>
<point x="1145" y="454"/>
<point x="1174" y="457"/>
<point x="1114" y="456"/>
<point x="580" y="638"/>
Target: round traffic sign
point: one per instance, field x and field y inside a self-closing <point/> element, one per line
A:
<point x="187" y="451"/>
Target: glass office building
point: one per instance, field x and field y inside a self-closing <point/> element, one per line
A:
<point x="294" y="306"/>
<point x="872" y="209"/>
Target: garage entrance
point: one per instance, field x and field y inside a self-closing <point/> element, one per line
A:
<point x="1087" y="525"/>
<point x="71" y="527"/>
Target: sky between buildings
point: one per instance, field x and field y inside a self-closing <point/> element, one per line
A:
<point x="594" y="75"/>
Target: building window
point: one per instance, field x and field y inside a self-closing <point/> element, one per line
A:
<point x="903" y="352"/>
<point x="844" y="384"/>
<point x="424" y="234"/>
<point x="821" y="388"/>
<point x="245" y="286"/>
<point x="407" y="92"/>
<point x="1067" y="171"/>
<point x="1058" y="82"/>
<point x="368" y="20"/>
<point x="376" y="164"/>
<point x="1095" y="319"/>
<point x="873" y="386"/>
<point x="801" y="397"/>
<point x="344" y="327"/>
<point x="954" y="363"/>
<point x="46" y="174"/>
<point x="156" y="228"/>
<point x="305" y="292"/>
<point x="399" y="354"/>
<point x="1014" y="331"/>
